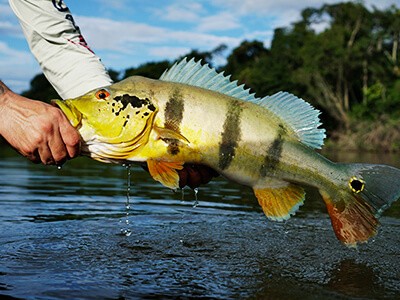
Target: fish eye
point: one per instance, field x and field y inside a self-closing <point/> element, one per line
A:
<point x="102" y="94"/>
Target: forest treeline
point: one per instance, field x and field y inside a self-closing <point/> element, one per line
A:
<point x="342" y="58"/>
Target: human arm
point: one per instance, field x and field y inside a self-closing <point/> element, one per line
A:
<point x="36" y="129"/>
<point x="56" y="41"/>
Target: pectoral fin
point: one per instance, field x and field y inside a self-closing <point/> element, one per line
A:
<point x="165" y="172"/>
<point x="279" y="200"/>
<point x="168" y="134"/>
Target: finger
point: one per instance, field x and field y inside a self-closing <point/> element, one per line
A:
<point x="71" y="138"/>
<point x="45" y="155"/>
<point x="58" y="148"/>
<point x="33" y="157"/>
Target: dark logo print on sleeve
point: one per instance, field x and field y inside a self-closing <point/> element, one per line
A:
<point x="60" y="5"/>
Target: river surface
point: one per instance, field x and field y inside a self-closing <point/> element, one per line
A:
<point x="62" y="236"/>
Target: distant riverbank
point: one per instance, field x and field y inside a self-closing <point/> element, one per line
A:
<point x="381" y="135"/>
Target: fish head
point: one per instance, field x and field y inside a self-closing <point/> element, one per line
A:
<point x="113" y="121"/>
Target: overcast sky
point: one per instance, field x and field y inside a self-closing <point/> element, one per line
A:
<point x="127" y="33"/>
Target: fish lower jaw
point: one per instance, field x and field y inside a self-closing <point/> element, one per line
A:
<point x="106" y="154"/>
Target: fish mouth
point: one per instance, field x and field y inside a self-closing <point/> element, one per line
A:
<point x="72" y="114"/>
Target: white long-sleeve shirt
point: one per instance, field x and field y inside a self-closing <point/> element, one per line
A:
<point x="57" y="44"/>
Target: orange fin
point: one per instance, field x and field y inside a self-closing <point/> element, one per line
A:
<point x="165" y="172"/>
<point x="280" y="202"/>
<point x="352" y="218"/>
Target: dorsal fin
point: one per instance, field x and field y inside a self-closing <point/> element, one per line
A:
<point x="299" y="115"/>
<point x="193" y="73"/>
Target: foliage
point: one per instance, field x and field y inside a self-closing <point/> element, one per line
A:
<point x="41" y="89"/>
<point x="150" y="70"/>
<point x="206" y="57"/>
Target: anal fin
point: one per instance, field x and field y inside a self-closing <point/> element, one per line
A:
<point x="165" y="172"/>
<point x="279" y="201"/>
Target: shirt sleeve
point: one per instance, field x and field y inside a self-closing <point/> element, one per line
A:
<point x="57" y="44"/>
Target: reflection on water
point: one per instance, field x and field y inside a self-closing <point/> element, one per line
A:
<point x="356" y="280"/>
<point x="60" y="239"/>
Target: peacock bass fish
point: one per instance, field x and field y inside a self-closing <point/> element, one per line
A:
<point x="193" y="114"/>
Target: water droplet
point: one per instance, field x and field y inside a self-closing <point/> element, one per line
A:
<point x="183" y="195"/>
<point x="196" y="201"/>
<point x="127" y="231"/>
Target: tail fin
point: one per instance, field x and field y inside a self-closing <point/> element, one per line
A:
<point x="355" y="208"/>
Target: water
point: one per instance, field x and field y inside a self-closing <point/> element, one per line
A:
<point x="61" y="238"/>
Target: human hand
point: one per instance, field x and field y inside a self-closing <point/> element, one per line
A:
<point x="36" y="129"/>
<point x="194" y="175"/>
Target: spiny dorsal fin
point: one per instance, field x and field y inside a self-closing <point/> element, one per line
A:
<point x="193" y="73"/>
<point x="300" y="116"/>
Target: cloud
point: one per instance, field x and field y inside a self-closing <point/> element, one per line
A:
<point x="8" y="22"/>
<point x="262" y="7"/>
<point x="219" y="22"/>
<point x="259" y="7"/>
<point x="125" y="36"/>
<point x="182" y="11"/>
<point x="5" y="9"/>
<point x="202" y="18"/>
<point x="117" y="5"/>
<point x="169" y="52"/>
<point x="103" y="33"/>
<point x="283" y="12"/>
<point x="17" y="67"/>
<point x="9" y="55"/>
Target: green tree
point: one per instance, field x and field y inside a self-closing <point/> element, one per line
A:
<point x="206" y="57"/>
<point x="151" y="69"/>
<point x="41" y="89"/>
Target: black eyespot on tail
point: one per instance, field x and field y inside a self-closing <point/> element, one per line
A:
<point x="356" y="185"/>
